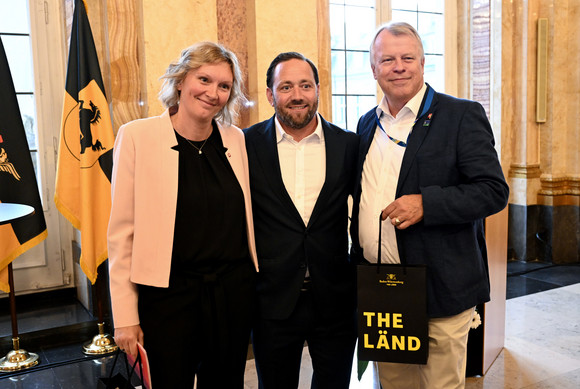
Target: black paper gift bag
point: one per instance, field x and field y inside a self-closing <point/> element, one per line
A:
<point x="392" y="312"/>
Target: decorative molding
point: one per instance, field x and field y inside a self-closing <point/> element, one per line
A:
<point x="527" y="171"/>
<point x="542" y="71"/>
<point x="559" y="191"/>
<point x="560" y="185"/>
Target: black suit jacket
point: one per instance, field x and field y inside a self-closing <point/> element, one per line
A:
<point x="451" y="161"/>
<point x="285" y="246"/>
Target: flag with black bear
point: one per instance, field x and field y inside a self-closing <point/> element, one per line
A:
<point x="85" y="156"/>
<point x="17" y="178"/>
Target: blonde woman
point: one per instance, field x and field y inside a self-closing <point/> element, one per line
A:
<point x="182" y="257"/>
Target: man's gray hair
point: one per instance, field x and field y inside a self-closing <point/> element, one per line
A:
<point x="397" y="29"/>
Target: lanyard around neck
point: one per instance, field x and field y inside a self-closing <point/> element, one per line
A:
<point x="426" y="106"/>
<point x="395" y="140"/>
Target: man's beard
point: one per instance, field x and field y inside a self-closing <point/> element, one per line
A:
<point x="285" y="116"/>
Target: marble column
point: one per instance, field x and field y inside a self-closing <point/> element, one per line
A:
<point x="126" y="60"/>
<point x="544" y="161"/>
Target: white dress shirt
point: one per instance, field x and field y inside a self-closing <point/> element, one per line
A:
<point x="303" y="167"/>
<point x="380" y="176"/>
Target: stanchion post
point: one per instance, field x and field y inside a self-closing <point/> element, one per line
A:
<point x="18" y="358"/>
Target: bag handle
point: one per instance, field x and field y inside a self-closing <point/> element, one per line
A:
<point x="379" y="244"/>
<point x="131" y="371"/>
<point x="137" y="361"/>
<point x="113" y="367"/>
<point x="379" y="248"/>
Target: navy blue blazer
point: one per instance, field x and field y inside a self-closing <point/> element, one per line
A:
<point x="285" y="245"/>
<point x="451" y="161"/>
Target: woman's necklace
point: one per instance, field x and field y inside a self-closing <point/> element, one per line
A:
<point x="195" y="147"/>
<point x="199" y="149"/>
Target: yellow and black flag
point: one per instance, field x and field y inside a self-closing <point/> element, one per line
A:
<point x="17" y="178"/>
<point x="85" y="156"/>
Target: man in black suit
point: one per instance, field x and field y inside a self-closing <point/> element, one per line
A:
<point x="428" y="163"/>
<point x="301" y="174"/>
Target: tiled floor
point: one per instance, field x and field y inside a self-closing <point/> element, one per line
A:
<point x="542" y="344"/>
<point x="80" y="372"/>
<point x="526" y="278"/>
<point x="43" y="311"/>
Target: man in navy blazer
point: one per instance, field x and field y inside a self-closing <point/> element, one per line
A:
<point x="302" y="171"/>
<point x="428" y="165"/>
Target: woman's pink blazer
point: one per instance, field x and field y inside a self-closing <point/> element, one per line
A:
<point x="144" y="198"/>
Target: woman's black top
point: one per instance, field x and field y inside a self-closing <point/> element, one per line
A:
<point x="210" y="222"/>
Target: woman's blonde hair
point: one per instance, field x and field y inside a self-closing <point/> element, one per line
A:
<point x="193" y="58"/>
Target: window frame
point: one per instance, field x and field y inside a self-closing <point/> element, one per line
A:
<point x="49" y="265"/>
<point x="383" y="14"/>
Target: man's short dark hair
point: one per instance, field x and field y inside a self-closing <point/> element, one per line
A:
<point x="283" y="57"/>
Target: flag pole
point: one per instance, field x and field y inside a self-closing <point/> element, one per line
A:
<point x="102" y="343"/>
<point x="18" y="358"/>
